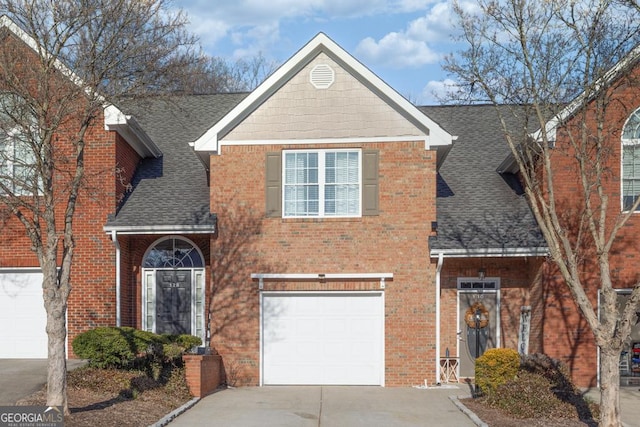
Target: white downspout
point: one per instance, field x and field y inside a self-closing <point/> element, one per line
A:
<point x="438" y="270"/>
<point x="114" y="238"/>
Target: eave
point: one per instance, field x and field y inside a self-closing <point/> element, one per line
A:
<point x="211" y="141"/>
<point x="131" y="131"/>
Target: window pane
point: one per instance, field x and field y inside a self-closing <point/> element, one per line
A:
<point x="340" y="187"/>
<point x="342" y="195"/>
<point x="630" y="175"/>
<point x="330" y="175"/>
<point x="330" y="160"/>
<point x="313" y="160"/>
<point x="632" y="127"/>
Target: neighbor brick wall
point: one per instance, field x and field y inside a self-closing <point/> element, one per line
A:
<point x="394" y="241"/>
<point x="92" y="300"/>
<point x="565" y="334"/>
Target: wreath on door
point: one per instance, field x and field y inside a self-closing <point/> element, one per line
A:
<point x="470" y="315"/>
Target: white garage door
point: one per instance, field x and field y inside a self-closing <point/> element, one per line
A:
<point x="323" y="338"/>
<point x="22" y="315"/>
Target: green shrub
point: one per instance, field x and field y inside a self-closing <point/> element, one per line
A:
<point x="528" y="396"/>
<point x="542" y="388"/>
<point x="125" y="347"/>
<point x="108" y="347"/>
<point x="495" y="367"/>
<point x="187" y="342"/>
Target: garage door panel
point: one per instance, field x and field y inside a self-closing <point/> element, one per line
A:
<point x="323" y="338"/>
<point x="22" y="315"/>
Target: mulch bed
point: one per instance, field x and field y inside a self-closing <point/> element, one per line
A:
<point x="110" y="398"/>
<point x="496" y="418"/>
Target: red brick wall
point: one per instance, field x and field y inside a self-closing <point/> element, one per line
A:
<point x="395" y="242"/>
<point x="517" y="277"/>
<point x="202" y="373"/>
<point x="92" y="298"/>
<point x="565" y="334"/>
<point x="127" y="160"/>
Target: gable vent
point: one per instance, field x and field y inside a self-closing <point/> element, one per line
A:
<point x="322" y="76"/>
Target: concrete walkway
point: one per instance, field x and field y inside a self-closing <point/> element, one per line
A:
<point x="326" y="406"/>
<point x="629" y="404"/>
<point x="21" y="377"/>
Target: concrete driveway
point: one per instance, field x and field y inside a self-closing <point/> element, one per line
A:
<point x="21" y="377"/>
<point x="326" y="406"/>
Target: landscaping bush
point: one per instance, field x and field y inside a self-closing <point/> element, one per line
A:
<point x="553" y="370"/>
<point x="495" y="367"/>
<point x="109" y="347"/>
<point x="176" y="345"/>
<point x="126" y="348"/>
<point x="528" y="396"/>
<point x="542" y="389"/>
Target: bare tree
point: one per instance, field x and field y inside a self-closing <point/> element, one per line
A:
<point x="564" y="67"/>
<point x="56" y="76"/>
<point x="211" y="74"/>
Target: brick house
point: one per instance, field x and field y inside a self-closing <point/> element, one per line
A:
<point x="320" y="230"/>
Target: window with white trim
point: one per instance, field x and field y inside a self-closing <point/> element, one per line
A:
<point x="322" y="183"/>
<point x="17" y="158"/>
<point x="631" y="161"/>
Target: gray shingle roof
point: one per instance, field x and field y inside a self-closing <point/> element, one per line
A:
<point x="172" y="191"/>
<point x="479" y="210"/>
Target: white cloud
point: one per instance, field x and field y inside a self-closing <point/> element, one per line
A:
<point x="436" y="26"/>
<point x="416" y="45"/>
<point x="438" y="92"/>
<point x="254" y="25"/>
<point x="396" y="50"/>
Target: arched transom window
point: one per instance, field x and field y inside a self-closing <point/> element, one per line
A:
<point x="631" y="161"/>
<point x="173" y="253"/>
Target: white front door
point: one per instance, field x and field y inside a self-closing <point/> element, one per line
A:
<point x="332" y="338"/>
<point x="23" y="318"/>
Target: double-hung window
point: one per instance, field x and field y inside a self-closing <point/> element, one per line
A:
<point x="322" y="183"/>
<point x="17" y="159"/>
<point x="631" y="161"/>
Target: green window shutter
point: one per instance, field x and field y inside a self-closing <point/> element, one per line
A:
<point x="370" y="197"/>
<point x="273" y="185"/>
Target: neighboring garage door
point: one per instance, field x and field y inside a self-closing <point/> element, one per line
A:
<point x="22" y="315"/>
<point x="323" y="338"/>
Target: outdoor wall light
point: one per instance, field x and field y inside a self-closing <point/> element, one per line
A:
<point x="481" y="273"/>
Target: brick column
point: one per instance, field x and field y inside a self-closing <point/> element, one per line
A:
<point x="202" y="373"/>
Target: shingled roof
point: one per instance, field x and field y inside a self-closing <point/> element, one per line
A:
<point x="480" y="212"/>
<point x="171" y="193"/>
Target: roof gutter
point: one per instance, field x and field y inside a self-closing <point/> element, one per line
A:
<point x="161" y="229"/>
<point x="490" y="252"/>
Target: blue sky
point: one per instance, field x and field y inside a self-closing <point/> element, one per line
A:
<point x="402" y="41"/>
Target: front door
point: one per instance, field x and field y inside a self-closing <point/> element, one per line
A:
<point x="474" y="341"/>
<point x="173" y="302"/>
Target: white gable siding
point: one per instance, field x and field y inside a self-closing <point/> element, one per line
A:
<point x="347" y="109"/>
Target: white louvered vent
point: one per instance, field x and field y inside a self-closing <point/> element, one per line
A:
<point x="322" y="76"/>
